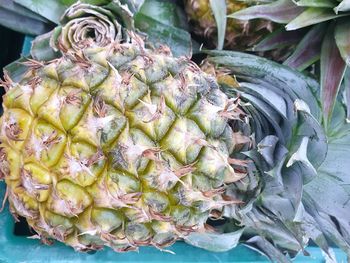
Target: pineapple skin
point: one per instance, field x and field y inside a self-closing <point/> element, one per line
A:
<point x="119" y="146"/>
<point x="240" y="35"/>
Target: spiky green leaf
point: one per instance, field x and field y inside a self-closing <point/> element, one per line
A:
<point x="316" y="3"/>
<point x="347" y="93"/>
<point x="342" y="39"/>
<point x="165" y="12"/>
<point x="279" y="39"/>
<point x="343" y="6"/>
<point x="332" y="210"/>
<point x="332" y="73"/>
<point x="269" y="250"/>
<point x="311" y="16"/>
<point x="219" y="10"/>
<point x="20" y="19"/>
<point x="177" y="39"/>
<point x="281" y="11"/>
<point x="164" y="23"/>
<point x="41" y="48"/>
<point x="16" y="69"/>
<point x="50" y="9"/>
<point x="308" y="50"/>
<point x="262" y="70"/>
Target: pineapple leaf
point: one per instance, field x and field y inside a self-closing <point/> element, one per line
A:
<point x="342" y="7"/>
<point x="332" y="73"/>
<point x="219" y="10"/>
<point x="332" y="211"/>
<point x="41" y="49"/>
<point x="177" y="39"/>
<point x="250" y="67"/>
<point x="278" y="39"/>
<point x="20" y="19"/>
<point x="22" y="24"/>
<point x="215" y="242"/>
<point x="308" y="50"/>
<point x="316" y="3"/>
<point x="311" y="16"/>
<point x="342" y="39"/>
<point x="50" y="9"/>
<point x="292" y="206"/>
<point x="16" y="69"/>
<point x="164" y="23"/>
<point x="335" y="169"/>
<point x="165" y="12"/>
<point x="10" y="5"/>
<point x="347" y="93"/>
<point x="266" y="248"/>
<point x="281" y="11"/>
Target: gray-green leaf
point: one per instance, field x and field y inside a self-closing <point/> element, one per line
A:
<point x="214" y="241"/>
<point x="342" y="38"/>
<point x="311" y="16"/>
<point x="219" y="10"/>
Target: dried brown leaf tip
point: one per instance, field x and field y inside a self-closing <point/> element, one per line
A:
<point x="147" y="60"/>
<point x="100" y="107"/>
<point x="156" y="111"/>
<point x="61" y="47"/>
<point x="183" y="85"/>
<point x="79" y="59"/>
<point x="73" y="98"/>
<point x="163" y="49"/>
<point x="33" y="64"/>
<point x="159" y="216"/>
<point x="85" y="43"/>
<point x="95" y="158"/>
<point x="51" y="140"/>
<point x="191" y="65"/>
<point x="232" y="110"/>
<point x="126" y="79"/>
<point x="34" y="82"/>
<point x="4" y="166"/>
<point x="6" y="82"/>
<point x="137" y="39"/>
<point x="13" y="131"/>
<point x="152" y="154"/>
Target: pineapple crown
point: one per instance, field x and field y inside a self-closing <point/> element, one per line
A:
<point x="83" y="25"/>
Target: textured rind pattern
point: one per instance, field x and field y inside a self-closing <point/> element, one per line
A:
<point x="118" y="146"/>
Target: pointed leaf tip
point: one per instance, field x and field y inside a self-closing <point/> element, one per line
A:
<point x="311" y="16"/>
<point x="308" y="50"/>
<point x="342" y="39"/>
<point x="342" y="7"/>
<point x="301" y="156"/>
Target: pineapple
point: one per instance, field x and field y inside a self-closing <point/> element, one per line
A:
<point x="240" y="34"/>
<point x="119" y="146"/>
